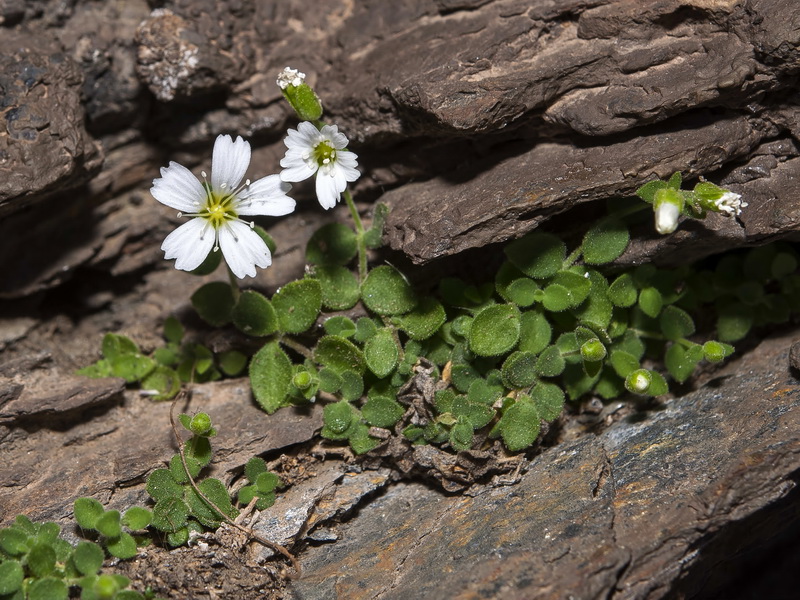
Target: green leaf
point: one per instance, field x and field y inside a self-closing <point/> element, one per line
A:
<point x="109" y="525"/>
<point x="365" y="329"/>
<point x="461" y="435"/>
<point x="339" y="287"/>
<point x="519" y="426"/>
<point x="15" y="542"/>
<point x="217" y="493"/>
<point x="164" y="381"/>
<point x="623" y="362"/>
<point x="11" y="577"/>
<point x="341" y="326"/>
<point x="255" y="467"/>
<point x="550" y="362"/>
<point x="578" y="284"/>
<point x="386" y="292"/>
<point x="339" y="354"/>
<point x="522" y="292"/>
<point x="173" y="330"/>
<point x="648" y="191"/>
<point x="679" y="363"/>
<point x="352" y="386"/>
<point x="557" y="298"/>
<point x="548" y="399"/>
<point x="535" y="332"/>
<point x="298" y="304"/>
<point x="232" y="362"/>
<point x="48" y="588"/>
<point x="267" y="482"/>
<point x="623" y="291"/>
<point x="360" y="440"/>
<point x="214" y="303"/>
<point x="132" y="367"/>
<point x="650" y="301"/>
<point x="381" y="411"/>
<point x="605" y="241"/>
<point x="254" y="314"/>
<point x="381" y="353"/>
<point x="482" y="391"/>
<point x="87" y="511"/>
<point x="136" y="518"/>
<point x="332" y="244"/>
<point x="519" y="370"/>
<point x="123" y="547"/>
<point x="597" y="311"/>
<point x="676" y="323"/>
<point x="270" y="377"/>
<point x="538" y="255"/>
<point x="782" y="265"/>
<point x="373" y="235"/>
<point x="161" y="485"/>
<point x="41" y="559"/>
<point x="329" y="380"/>
<point x="424" y="320"/>
<point x="116" y="346"/>
<point x="495" y="330"/>
<point x="733" y="321"/>
<point x="337" y="419"/>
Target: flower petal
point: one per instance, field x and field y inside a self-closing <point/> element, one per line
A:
<point x="243" y="249"/>
<point x="296" y="169"/>
<point x="327" y="193"/>
<point x="267" y="196"/>
<point x="229" y="162"/>
<point x="178" y="189"/>
<point x="189" y="244"/>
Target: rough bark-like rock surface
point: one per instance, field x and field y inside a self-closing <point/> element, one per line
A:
<point x="630" y="513"/>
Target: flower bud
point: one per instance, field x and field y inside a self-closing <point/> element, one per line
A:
<point x="668" y="204"/>
<point x="638" y="382"/>
<point x="302" y="98"/>
<point x="302" y="380"/>
<point x="593" y="350"/>
<point x="200" y="424"/>
<point x="713" y="351"/>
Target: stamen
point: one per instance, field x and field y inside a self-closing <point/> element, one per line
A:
<point x="180" y="214"/>
<point x="203" y="173"/>
<point x="252" y="224"/>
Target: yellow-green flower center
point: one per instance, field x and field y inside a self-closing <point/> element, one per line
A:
<point x="219" y="207"/>
<point x="324" y="153"/>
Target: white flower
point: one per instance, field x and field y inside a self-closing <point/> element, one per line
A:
<point x="667" y="217"/>
<point x="217" y="207"/>
<point x="321" y="152"/>
<point x="289" y="77"/>
<point x="730" y="203"/>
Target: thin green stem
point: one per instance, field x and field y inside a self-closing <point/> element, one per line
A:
<point x="572" y="258"/>
<point x="296" y="346"/>
<point x="234" y="284"/>
<point x="362" y="245"/>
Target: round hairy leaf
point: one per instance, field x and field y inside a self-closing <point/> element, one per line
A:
<point x="123" y="547"/>
<point x="557" y="298"/>
<point x="232" y="362"/>
<point x="132" y="367"/>
<point x="597" y="310"/>
<point x="164" y="381"/>
<point x="48" y="588"/>
<point x="298" y="304"/>
<point x="254" y="314"/>
<point x="676" y="323"/>
<point x="535" y="332"/>
<point x="87" y="511"/>
<point x="270" y="377"/>
<point x="339" y="354"/>
<point x="360" y="440"/>
<point x="623" y="362"/>
<point x="650" y="301"/>
<point x="550" y="362"/>
<point x="519" y="426"/>
<point x="578" y="284"/>
<point x="179" y="473"/>
<point x="461" y="435"/>
<point x="538" y="255"/>
<point x="733" y="322"/>
<point x="136" y="518"/>
<point x="623" y="292"/>
<point x="341" y="326"/>
<point x="495" y="330"/>
<point x="549" y="400"/>
<point x="11" y="577"/>
<point x="381" y="353"/>
<point x="115" y="346"/>
<point x="605" y="241"/>
<point x="522" y="291"/>
<point x="15" y="542"/>
<point x="173" y="330"/>
<point x="365" y="329"/>
<point x="386" y="292"/>
<point x="161" y="484"/>
<point x="41" y="559"/>
<point x="339" y="287"/>
<point x="329" y="380"/>
<point x="680" y="363"/>
<point x="108" y="524"/>
<point x="254" y="467"/>
<point x="214" y="303"/>
<point x="425" y="320"/>
<point x="337" y="419"/>
<point x="332" y="244"/>
<point x="519" y="370"/>
<point x="352" y="386"/>
<point x="506" y="275"/>
<point x="267" y="482"/>
<point x="381" y="411"/>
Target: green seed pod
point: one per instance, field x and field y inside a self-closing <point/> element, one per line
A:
<point x="593" y="350"/>
<point x="638" y="382"/>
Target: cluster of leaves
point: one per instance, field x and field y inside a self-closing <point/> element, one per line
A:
<point x="36" y="564"/>
<point x="551" y="326"/>
<point x="179" y="509"/>
<point x="108" y="525"/>
<point x="161" y="374"/>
